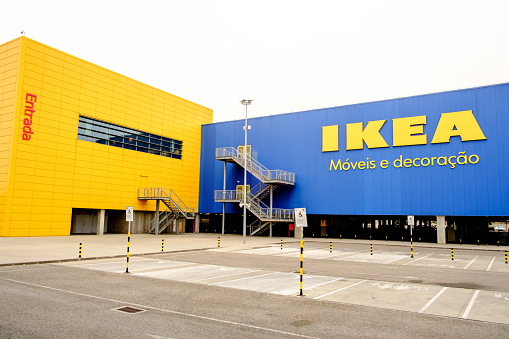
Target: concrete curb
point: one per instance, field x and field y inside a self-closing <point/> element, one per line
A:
<point x="55" y="261"/>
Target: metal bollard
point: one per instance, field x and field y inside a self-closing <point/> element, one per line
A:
<point x="128" y="244"/>
<point x="331" y="247"/>
<point x="385" y="238"/>
<point x="371" y="249"/>
<point x="411" y="243"/>
<point x="162" y="245"/>
<point x="355" y="237"/>
<point x="452" y="254"/>
<point x="218" y="241"/>
<point x="477" y="242"/>
<point x="80" y="252"/>
<point x="281" y="244"/>
<point x="506" y="257"/>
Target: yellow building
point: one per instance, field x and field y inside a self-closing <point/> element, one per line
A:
<point x="78" y="140"/>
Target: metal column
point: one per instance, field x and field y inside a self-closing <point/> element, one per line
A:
<point x="270" y="227"/>
<point x="224" y="190"/>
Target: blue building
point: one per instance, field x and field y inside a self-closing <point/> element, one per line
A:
<point x="360" y="170"/>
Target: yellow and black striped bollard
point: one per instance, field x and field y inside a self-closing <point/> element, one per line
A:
<point x="411" y="243"/>
<point x="452" y="253"/>
<point x="218" y="241"/>
<point x="80" y="252"/>
<point x="128" y="243"/>
<point x="162" y="245"/>
<point x="281" y="244"/>
<point x="371" y="249"/>
<point x="506" y="257"/>
<point x="301" y="264"/>
<point x="331" y="246"/>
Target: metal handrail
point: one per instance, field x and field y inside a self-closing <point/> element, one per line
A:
<point x="255" y="206"/>
<point x="254" y="166"/>
<point x="161" y="193"/>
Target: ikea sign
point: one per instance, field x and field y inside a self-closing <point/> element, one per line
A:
<point x="406" y="131"/>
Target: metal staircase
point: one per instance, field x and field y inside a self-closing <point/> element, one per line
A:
<point x="262" y="173"/>
<point x="166" y="218"/>
<point x="269" y="181"/>
<point x="175" y="207"/>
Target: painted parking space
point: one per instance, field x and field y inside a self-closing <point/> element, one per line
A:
<point x="489" y="262"/>
<point x="311" y="253"/>
<point x="379" y="257"/>
<point x="465" y="262"/>
<point x="413" y="297"/>
<point x="277" y="283"/>
<point x="119" y="266"/>
<point x="398" y="296"/>
<point x="198" y="273"/>
<point x="270" y="251"/>
<point x="491" y="306"/>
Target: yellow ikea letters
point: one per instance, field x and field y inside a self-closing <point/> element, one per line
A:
<point x="330" y="140"/>
<point x="464" y="122"/>
<point x="356" y="136"/>
<point x="406" y="132"/>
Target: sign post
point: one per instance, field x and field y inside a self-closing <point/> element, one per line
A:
<point x="129" y="218"/>
<point x="410" y="222"/>
<point x="301" y="221"/>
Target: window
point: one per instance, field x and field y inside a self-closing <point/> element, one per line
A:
<point x="115" y="135"/>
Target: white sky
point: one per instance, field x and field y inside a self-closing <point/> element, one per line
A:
<point x="287" y="56"/>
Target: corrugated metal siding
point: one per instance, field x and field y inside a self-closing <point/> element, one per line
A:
<point x="293" y="142"/>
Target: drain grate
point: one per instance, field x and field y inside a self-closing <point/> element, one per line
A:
<point x="129" y="309"/>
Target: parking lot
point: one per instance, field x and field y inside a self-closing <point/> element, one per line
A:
<point x="389" y="278"/>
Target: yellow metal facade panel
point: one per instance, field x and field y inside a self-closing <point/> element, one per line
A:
<point x="10" y="53"/>
<point x="54" y="172"/>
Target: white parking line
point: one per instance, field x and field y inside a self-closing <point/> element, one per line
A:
<point x="470" y="304"/>
<point x="352" y="256"/>
<point x="411" y="262"/>
<point x="222" y="276"/>
<point x="337" y="255"/>
<point x="307" y="288"/>
<point x="255" y="276"/>
<point x="341" y="289"/>
<point x="388" y="262"/>
<point x="491" y="263"/>
<point x="432" y="300"/>
<point x="470" y="263"/>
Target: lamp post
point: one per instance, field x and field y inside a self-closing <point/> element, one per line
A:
<point x="246" y="127"/>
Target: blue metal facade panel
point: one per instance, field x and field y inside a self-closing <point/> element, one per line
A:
<point x="293" y="142"/>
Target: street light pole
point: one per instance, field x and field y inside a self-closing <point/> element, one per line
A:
<point x="246" y="127"/>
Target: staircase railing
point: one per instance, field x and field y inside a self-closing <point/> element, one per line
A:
<point x="165" y="219"/>
<point x="255" y="167"/>
<point x="165" y="194"/>
<point x="255" y="206"/>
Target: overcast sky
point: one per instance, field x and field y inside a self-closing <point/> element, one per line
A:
<point x="287" y="56"/>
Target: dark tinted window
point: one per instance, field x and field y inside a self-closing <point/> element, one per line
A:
<point x="115" y="135"/>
